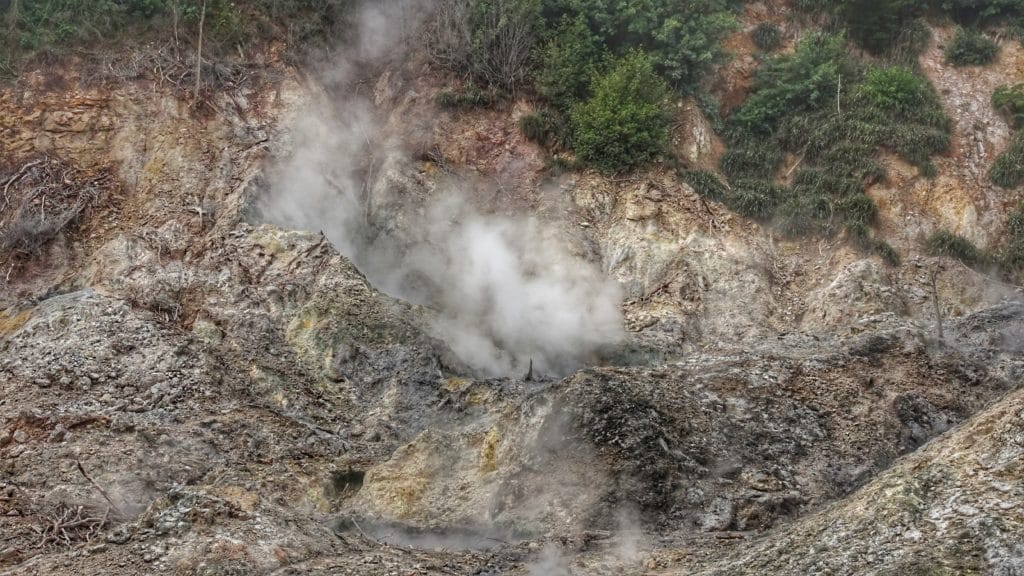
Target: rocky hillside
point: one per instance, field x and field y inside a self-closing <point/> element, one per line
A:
<point x="316" y="291"/>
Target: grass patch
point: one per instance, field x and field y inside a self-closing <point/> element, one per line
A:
<point x="1009" y="101"/>
<point x="1011" y="257"/>
<point x="469" y="98"/>
<point x="1007" y="170"/>
<point x="945" y="243"/>
<point x="705" y="183"/>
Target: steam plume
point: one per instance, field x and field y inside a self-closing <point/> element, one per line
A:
<point x="507" y="290"/>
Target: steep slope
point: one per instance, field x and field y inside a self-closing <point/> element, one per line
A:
<point x="190" y="385"/>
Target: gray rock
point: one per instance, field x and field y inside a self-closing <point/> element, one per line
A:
<point x="719" y="516"/>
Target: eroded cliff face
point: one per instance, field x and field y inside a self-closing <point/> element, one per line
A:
<point x="223" y="395"/>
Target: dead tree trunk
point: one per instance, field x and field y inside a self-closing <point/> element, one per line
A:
<point x="199" y="54"/>
<point x="935" y="302"/>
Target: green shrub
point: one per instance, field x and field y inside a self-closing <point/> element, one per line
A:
<point x="534" y="127"/>
<point x="945" y="243"/>
<point x="1007" y="170"/>
<point x="970" y="47"/>
<point x="569" y="62"/>
<point x="1015" y="224"/>
<point x="682" y="37"/>
<point x="766" y="36"/>
<point x="877" y="24"/>
<point x="55" y="24"/>
<point x="928" y="169"/>
<point x="981" y="10"/>
<point x="860" y="234"/>
<point x="1009" y="101"/>
<point x="547" y="128"/>
<point x="7" y="71"/>
<point x="895" y="88"/>
<point x="711" y="108"/>
<point x="803" y="81"/>
<point x="309" y="26"/>
<point x="624" y="124"/>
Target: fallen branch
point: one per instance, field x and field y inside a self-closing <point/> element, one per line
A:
<point x="98" y="489"/>
<point x="15" y="178"/>
<point x="69" y="525"/>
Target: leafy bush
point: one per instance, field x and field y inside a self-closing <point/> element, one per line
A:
<point x="534" y="128"/>
<point x="895" y="88"/>
<point x="910" y="42"/>
<point x="766" y="36"/>
<point x="682" y="37"/>
<point x="307" y="26"/>
<point x="970" y="47"/>
<point x="877" y="24"/>
<point x="980" y="10"/>
<point x="1009" y="101"/>
<point x="1007" y="170"/>
<point x="945" y="243"/>
<point x="625" y="123"/>
<point x="803" y="81"/>
<point x="858" y="210"/>
<point x="569" y="62"/>
<point x="547" y="128"/>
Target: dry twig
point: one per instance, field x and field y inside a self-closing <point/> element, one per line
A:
<point x="70" y="524"/>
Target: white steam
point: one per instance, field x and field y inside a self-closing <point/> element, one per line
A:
<point x="507" y="291"/>
<point x="550" y="562"/>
